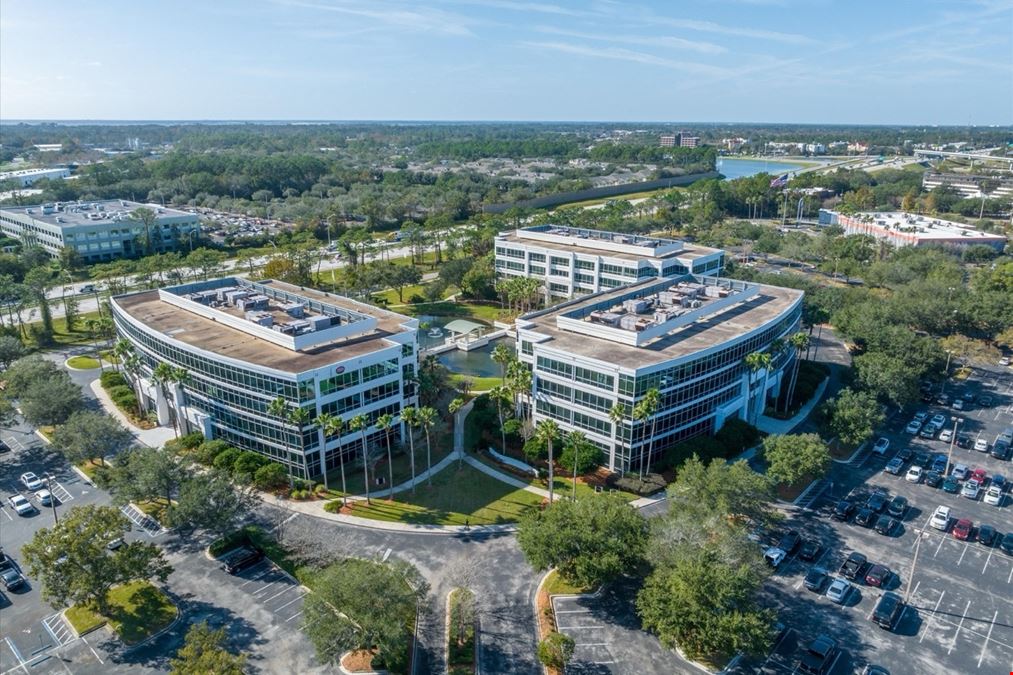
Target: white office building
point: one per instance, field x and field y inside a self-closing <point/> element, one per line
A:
<point x="573" y="261"/>
<point x="686" y="336"/>
<point x="27" y="177"/>
<point x="101" y="230"/>
<point x="911" y="229"/>
<point x="243" y="344"/>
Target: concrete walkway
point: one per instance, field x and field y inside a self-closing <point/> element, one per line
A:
<point x="507" y="478"/>
<point x="771" y="425"/>
<point x="154" y="438"/>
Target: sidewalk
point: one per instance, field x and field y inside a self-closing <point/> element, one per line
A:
<point x="775" y="426"/>
<point x="506" y="478"/>
<point x="154" y="438"/>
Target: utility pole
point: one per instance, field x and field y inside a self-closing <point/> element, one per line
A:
<point x="956" y="422"/>
<point x="52" y="498"/>
<point x="914" y="565"/>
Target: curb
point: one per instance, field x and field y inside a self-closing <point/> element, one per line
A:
<point x="67" y="365"/>
<point x="802" y="495"/>
<point x="82" y="475"/>
<point x="155" y="636"/>
<point x="346" y="671"/>
<point x="853" y="455"/>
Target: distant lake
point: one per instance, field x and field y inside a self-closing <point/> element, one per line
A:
<point x="738" y="168"/>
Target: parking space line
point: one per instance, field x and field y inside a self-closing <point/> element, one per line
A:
<point x="962" y="553"/>
<point x="296" y="599"/>
<point x="934" y="614"/>
<point x="293" y="616"/>
<point x="987" y="638"/>
<point x="284" y="590"/>
<point x="1010" y="577"/>
<point x="988" y="560"/>
<point x="941" y="540"/>
<point x="267" y="569"/>
<point x="959" y="626"/>
<point x="9" y="516"/>
<point x="261" y="590"/>
<point x="93" y="651"/>
<point x="573" y="611"/>
<point x="579" y="627"/>
<point x="17" y="654"/>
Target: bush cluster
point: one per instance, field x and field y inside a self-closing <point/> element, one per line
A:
<point x="245" y="466"/>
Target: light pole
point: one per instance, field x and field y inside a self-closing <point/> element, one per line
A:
<point x="914" y="564"/>
<point x="52" y="497"/>
<point x="957" y="421"/>
<point x="946" y="372"/>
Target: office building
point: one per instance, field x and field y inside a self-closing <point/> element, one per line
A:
<point x="243" y="344"/>
<point x="100" y="231"/>
<point x="667" y="141"/>
<point x="574" y="261"/>
<point x="686" y="336"/>
<point x="687" y="141"/>
<point x="26" y="177"/>
<point x="910" y="229"/>
<point x="970" y="186"/>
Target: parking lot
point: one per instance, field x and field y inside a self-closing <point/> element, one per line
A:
<point x="272" y="588"/>
<point x="959" y="612"/>
<point x="607" y="635"/>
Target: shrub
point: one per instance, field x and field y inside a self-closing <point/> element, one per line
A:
<point x="209" y="450"/>
<point x="248" y="462"/>
<point x="190" y="441"/>
<point x="333" y="506"/>
<point x="271" y="476"/>
<point x="112" y="378"/>
<point x="737" y="435"/>
<point x="226" y="459"/>
<point x="535" y="449"/>
<point x="632" y="482"/>
<point x="556" y="650"/>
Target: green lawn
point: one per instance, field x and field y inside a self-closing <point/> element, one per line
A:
<point x="457" y="496"/>
<point x="61" y="336"/>
<point x="83" y="362"/>
<point x="137" y="611"/>
<point x="463" y="310"/>
<point x="442" y="446"/>
<point x="477" y="383"/>
<point x="555" y="585"/>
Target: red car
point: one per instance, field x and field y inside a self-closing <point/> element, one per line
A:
<point x="980" y="476"/>
<point x="962" y="529"/>
<point x="877" y="575"/>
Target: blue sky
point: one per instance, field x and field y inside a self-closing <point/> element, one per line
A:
<point x="830" y="61"/>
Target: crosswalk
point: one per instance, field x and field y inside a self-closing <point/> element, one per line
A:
<point x="142" y="520"/>
<point x="59" y="629"/>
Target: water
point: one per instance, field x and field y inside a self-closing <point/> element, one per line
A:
<point x="477" y="363"/>
<point x="740" y="168"/>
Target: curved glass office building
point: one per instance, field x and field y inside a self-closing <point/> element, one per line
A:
<point x="244" y="344"/>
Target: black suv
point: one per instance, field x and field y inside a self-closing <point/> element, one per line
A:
<point x="815" y="579"/>
<point x="877" y="501"/>
<point x="933" y="478"/>
<point x="898" y="507"/>
<point x="887" y="610"/>
<point x="866" y="517"/>
<point x="818" y="656"/>
<point x="843" y="510"/>
<point x="242" y="558"/>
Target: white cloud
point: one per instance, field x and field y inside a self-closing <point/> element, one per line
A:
<point x="410" y="18"/>
<point x="722" y="29"/>
<point x="646" y="40"/>
<point x="619" y="54"/>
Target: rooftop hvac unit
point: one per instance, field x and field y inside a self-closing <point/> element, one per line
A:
<point x="636" y="305"/>
<point x="260" y="318"/>
<point x="319" y="322"/>
<point x="607" y="318"/>
<point x="294" y="309"/>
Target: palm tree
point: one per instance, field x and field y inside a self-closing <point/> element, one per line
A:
<point x="326" y="426"/>
<point x="503" y="355"/>
<point x="410" y="416"/>
<point x="520" y="383"/>
<point x="131" y="364"/>
<point x="800" y="341"/>
<point x="453" y="408"/>
<point x="181" y="377"/>
<point x="123" y="349"/>
<point x="163" y="377"/>
<point x="384" y="423"/>
<point x="500" y="395"/>
<point x="300" y="417"/>
<point x="360" y="423"/>
<point x="578" y="443"/>
<point x="546" y="432"/>
<point x="647" y="409"/>
<point x="754" y="362"/>
<point x="426" y="419"/>
<point x="617" y="413"/>
<point x="278" y="408"/>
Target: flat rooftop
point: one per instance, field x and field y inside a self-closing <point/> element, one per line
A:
<point x="76" y="214"/>
<point x="575" y="244"/>
<point x="759" y="306"/>
<point x="202" y="332"/>
<point x="922" y="227"/>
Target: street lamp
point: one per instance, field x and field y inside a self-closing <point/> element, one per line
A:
<point x="946" y="372"/>
<point x="957" y="421"/>
<point x="52" y="497"/>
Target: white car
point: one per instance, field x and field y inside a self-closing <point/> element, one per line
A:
<point x="993" y="496"/>
<point x="939" y="419"/>
<point x="913" y="427"/>
<point x="960" y="471"/>
<point x="958" y="404"/>
<point x="1004" y="361"/>
<point x="946" y="435"/>
<point x="941" y="518"/>
<point x="981" y="445"/>
<point x="45" y="497"/>
<point x="838" y="591"/>
<point x="921" y="416"/>
<point x="971" y="489"/>
<point x="31" y="481"/>
<point x="914" y="474"/>
<point x="881" y="445"/>
<point x="21" y="505"/>
<point x="774" y="556"/>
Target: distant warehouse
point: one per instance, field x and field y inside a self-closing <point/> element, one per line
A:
<point x="26" y="177"/>
<point x="910" y="229"/>
<point x="101" y="230"/>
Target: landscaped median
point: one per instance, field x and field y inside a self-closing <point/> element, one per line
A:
<point x="461" y="652"/>
<point x="458" y="495"/>
<point x="136" y="611"/>
<point x="548" y="635"/>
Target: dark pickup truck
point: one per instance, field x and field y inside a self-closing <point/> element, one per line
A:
<point x="853" y="566"/>
<point x="818" y="656"/>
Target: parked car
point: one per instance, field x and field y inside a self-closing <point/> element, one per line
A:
<point x="960" y="471"/>
<point x="968" y="396"/>
<point x="939" y="463"/>
<point x="946" y="435"/>
<point x="815" y="579"/>
<point x="951" y="485"/>
<point x="981" y="445"/>
<point x="913" y="427"/>
<point x="921" y="416"/>
<point x="242" y="558"/>
<point x="971" y="489"/>
<point x="45" y="497"/>
<point x="1007" y="544"/>
<point x="789" y="541"/>
<point x="1001" y="450"/>
<point x="987" y="535"/>
<point x="818" y="656"/>
<point x="4" y="447"/>
<point x="963" y="441"/>
<point x="31" y="481"/>
<point x="13" y="579"/>
<point x="854" y="565"/>
<point x="878" y="575"/>
<point x="894" y="466"/>
<point x="943" y="399"/>
<point x="1004" y="361"/>
<point x="888" y="609"/>
<point x="958" y="404"/>
<point x="885" y="525"/>
<point x="116" y="544"/>
<point x="940" y="518"/>
<point x="993" y="496"/>
<point x="897" y="507"/>
<point x="881" y="445"/>
<point x="980" y="475"/>
<point x="999" y="481"/>
<point x="922" y="459"/>
<point x="904" y="454"/>
<point x="843" y="510"/>
<point x="838" y="591"/>
<point x="929" y="431"/>
<point x="876" y="501"/>
<point x="21" y="506"/>
<point x="774" y="556"/>
<point x="939" y="419"/>
<point x="985" y="401"/>
<point x="914" y="474"/>
<point x="865" y="517"/>
<point x="962" y="529"/>
<point x="810" y="550"/>
<point x="933" y="478"/>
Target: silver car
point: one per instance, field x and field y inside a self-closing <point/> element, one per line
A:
<point x="839" y="590"/>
